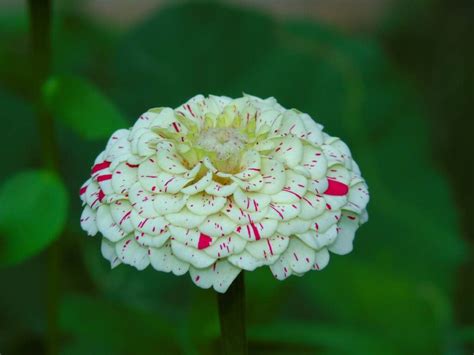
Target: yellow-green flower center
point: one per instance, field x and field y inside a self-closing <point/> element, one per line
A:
<point x="223" y="146"/>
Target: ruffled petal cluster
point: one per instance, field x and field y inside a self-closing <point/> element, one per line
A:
<point x="221" y="185"/>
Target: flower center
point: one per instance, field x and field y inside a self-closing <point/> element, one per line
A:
<point x="223" y="146"/>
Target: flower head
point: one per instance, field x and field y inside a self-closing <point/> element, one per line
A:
<point x="221" y="185"/>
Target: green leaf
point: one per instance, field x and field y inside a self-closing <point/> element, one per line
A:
<point x="118" y="328"/>
<point x="166" y="69"/>
<point x="33" y="210"/>
<point x="316" y="338"/>
<point x="82" y="107"/>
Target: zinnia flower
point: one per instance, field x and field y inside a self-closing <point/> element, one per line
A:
<point x="221" y="185"/>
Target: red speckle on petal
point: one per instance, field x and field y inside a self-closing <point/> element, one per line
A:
<point x="104" y="177"/>
<point x="83" y="189"/>
<point x="255" y="231"/>
<point x="101" y="195"/>
<point x="105" y="164"/>
<point x="336" y="188"/>
<point x="204" y="241"/>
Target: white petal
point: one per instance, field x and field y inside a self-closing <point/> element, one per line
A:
<point x="191" y="255"/>
<point x="219" y="276"/>
<point x="217" y="225"/>
<point x="185" y="218"/>
<point x="251" y="201"/>
<point x="142" y="201"/>
<point x="148" y="172"/>
<point x="88" y="221"/>
<point x="317" y="240"/>
<point x="162" y="259"/>
<point x="344" y="150"/>
<point x="123" y="177"/>
<point x="288" y="150"/>
<point x="318" y="186"/>
<point x="131" y="253"/>
<point x="282" y="212"/>
<point x="292" y="125"/>
<point x="120" y="150"/>
<point x="322" y="223"/>
<point x="296" y="260"/>
<point x="168" y="159"/>
<point x="153" y="226"/>
<point x="216" y="189"/>
<point x="313" y="130"/>
<point x="339" y="173"/>
<point x="199" y="186"/>
<point x="358" y="197"/>
<point x="143" y="144"/>
<point x="169" y="203"/>
<point x="116" y="136"/>
<point x="167" y="119"/>
<point x="193" y="109"/>
<point x="293" y="226"/>
<point x="204" y="204"/>
<point x="143" y="122"/>
<point x="170" y="183"/>
<point x="314" y="161"/>
<point x="321" y="259"/>
<point x="108" y="252"/>
<point x="267" y="119"/>
<point x="274" y="176"/>
<point x="239" y="216"/>
<point x="107" y="225"/>
<point x="281" y="268"/>
<point x="300" y="256"/>
<point x="228" y="245"/>
<point x="250" y="165"/>
<point x="335" y="202"/>
<point x="255" y="231"/>
<point x="152" y="240"/>
<point x="191" y="237"/>
<point x="268" y="248"/>
<point x="254" y="184"/>
<point x="245" y="261"/>
<point x="83" y="190"/>
<point x="347" y="225"/>
<point x="104" y="179"/>
<point x="333" y="156"/>
<point x="311" y="206"/>
<point x="294" y="189"/>
<point x="121" y="211"/>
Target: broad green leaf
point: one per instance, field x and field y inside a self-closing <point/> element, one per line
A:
<point x="118" y="328"/>
<point x="319" y="338"/>
<point x="166" y="69"/>
<point x="33" y="210"/>
<point x="82" y="107"/>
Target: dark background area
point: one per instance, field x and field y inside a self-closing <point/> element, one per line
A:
<point x="393" y="78"/>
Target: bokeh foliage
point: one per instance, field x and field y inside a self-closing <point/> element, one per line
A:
<point x="393" y="295"/>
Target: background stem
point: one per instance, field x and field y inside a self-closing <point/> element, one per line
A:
<point x="232" y="318"/>
<point x="40" y="33"/>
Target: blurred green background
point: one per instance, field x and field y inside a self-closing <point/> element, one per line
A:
<point x="392" y="78"/>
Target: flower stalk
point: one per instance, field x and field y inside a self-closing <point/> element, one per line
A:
<point x="40" y="13"/>
<point x="232" y="318"/>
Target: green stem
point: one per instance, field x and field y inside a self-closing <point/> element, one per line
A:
<point x="40" y="31"/>
<point x="232" y="318"/>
